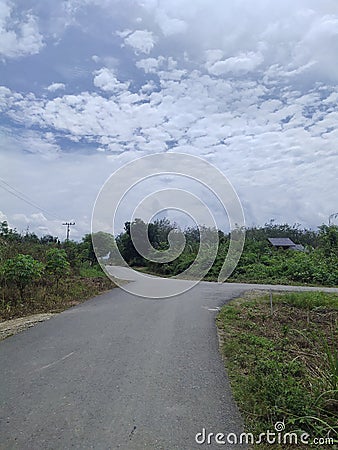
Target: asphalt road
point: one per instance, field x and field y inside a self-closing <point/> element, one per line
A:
<point x="119" y="372"/>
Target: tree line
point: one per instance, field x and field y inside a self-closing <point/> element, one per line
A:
<point x="260" y="262"/>
<point x="41" y="273"/>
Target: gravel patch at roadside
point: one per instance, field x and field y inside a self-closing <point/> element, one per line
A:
<point x="14" y="326"/>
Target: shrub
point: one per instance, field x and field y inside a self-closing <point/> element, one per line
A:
<point x="57" y="264"/>
<point x="21" y="271"/>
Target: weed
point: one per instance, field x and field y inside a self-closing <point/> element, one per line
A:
<point x="285" y="366"/>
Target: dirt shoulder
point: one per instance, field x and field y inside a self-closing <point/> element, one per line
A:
<point x="41" y="307"/>
<point x="14" y="326"/>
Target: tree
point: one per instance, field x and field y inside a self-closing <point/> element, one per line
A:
<point x="4" y="229"/>
<point x="328" y="239"/>
<point x="10" y="235"/>
<point x="126" y="246"/>
<point x="158" y="232"/>
<point x="87" y="250"/>
<point x="73" y="252"/>
<point x="49" y="239"/>
<point x="21" y="271"/>
<point x="57" y="264"/>
<point x="103" y="244"/>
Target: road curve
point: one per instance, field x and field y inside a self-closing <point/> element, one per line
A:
<point x="120" y="372"/>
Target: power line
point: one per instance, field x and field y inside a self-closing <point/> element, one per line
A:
<point x="13" y="188"/>
<point x="20" y="195"/>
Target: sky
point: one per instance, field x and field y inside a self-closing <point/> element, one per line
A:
<point x="89" y="85"/>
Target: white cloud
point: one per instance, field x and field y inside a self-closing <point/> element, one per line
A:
<point x="18" y="37"/>
<point x="150" y="65"/>
<point x="323" y="34"/>
<point x="124" y="33"/>
<point x="106" y="80"/>
<point x="212" y="56"/>
<point x="170" y="25"/>
<point x="55" y="87"/>
<point x="240" y="64"/>
<point x="248" y="85"/>
<point x="31" y="142"/>
<point x="35" y="218"/>
<point x="287" y="34"/>
<point x="142" y="41"/>
<point x="3" y="217"/>
<point x="65" y="188"/>
<point x="39" y="224"/>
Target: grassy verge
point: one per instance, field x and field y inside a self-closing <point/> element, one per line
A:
<point x="92" y="272"/>
<point x="48" y="297"/>
<point x="283" y="365"/>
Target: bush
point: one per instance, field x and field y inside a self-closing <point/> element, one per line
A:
<point x="57" y="264"/>
<point x="21" y="271"/>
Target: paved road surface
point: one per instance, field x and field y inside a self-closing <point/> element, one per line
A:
<point x="119" y="372"/>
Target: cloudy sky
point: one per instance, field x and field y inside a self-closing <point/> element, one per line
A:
<point x="88" y="85"/>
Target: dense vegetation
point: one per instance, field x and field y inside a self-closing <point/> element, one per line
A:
<point x="283" y="363"/>
<point x="43" y="274"/>
<point x="260" y="262"/>
<point x="39" y="274"/>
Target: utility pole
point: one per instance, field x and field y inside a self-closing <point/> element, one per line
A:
<point x="68" y="225"/>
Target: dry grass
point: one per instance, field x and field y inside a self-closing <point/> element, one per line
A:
<point x="49" y="298"/>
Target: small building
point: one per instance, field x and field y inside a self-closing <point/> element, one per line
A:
<point x="285" y="244"/>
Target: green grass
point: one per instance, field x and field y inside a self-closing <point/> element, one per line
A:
<point x="308" y="300"/>
<point x="92" y="272"/>
<point x="284" y="366"/>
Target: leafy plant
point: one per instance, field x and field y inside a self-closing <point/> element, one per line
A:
<point x="56" y="264"/>
<point x="21" y="271"/>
